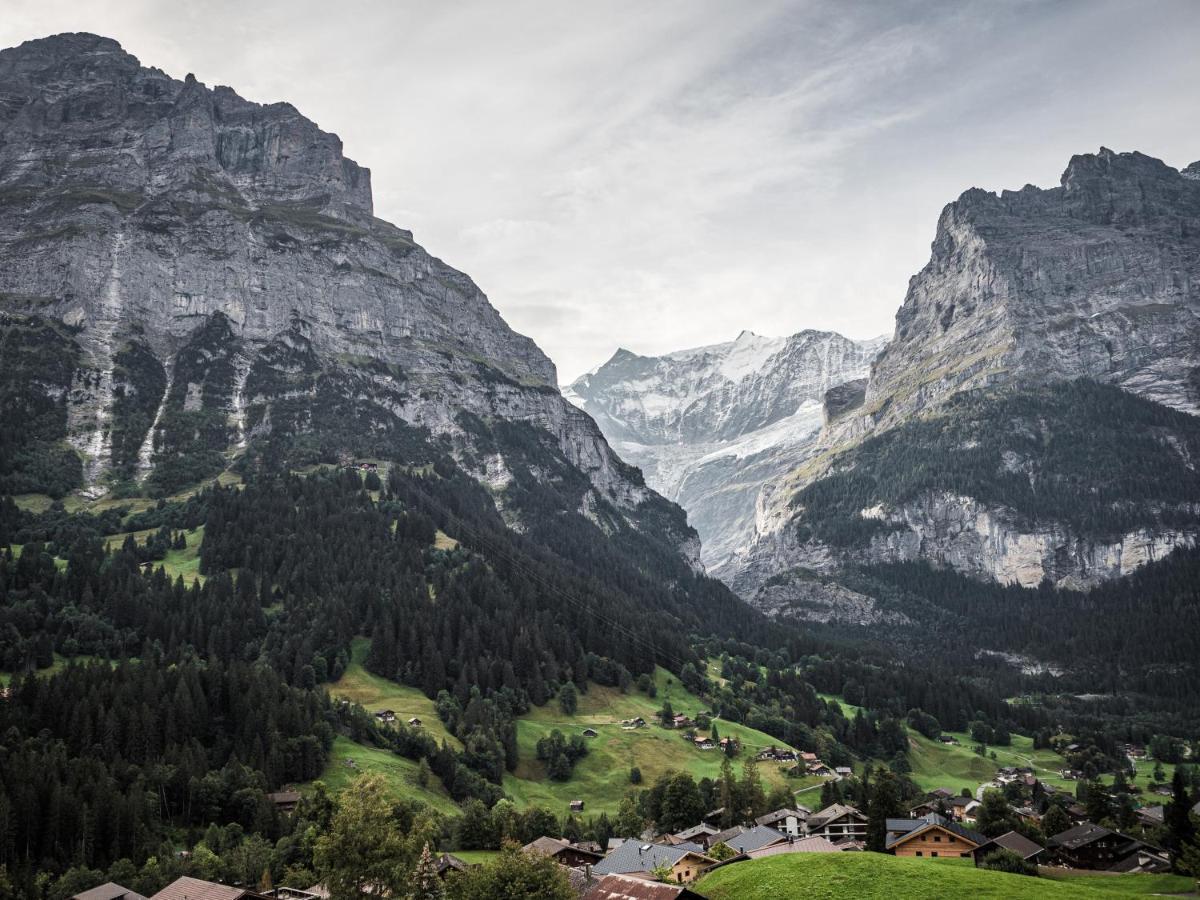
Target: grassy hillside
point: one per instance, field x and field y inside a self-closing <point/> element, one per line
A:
<point x="400" y="774"/>
<point x="875" y="876"/>
<point x="602" y="778"/>
<point x="374" y="693"/>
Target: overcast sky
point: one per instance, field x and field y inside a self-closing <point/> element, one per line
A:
<point x="659" y="175"/>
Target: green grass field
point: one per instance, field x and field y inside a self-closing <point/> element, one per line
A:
<point x="185" y="563"/>
<point x="875" y="876"/>
<point x="602" y="778"/>
<point x="374" y="693"/>
<point x="399" y="773"/>
<point x="59" y="663"/>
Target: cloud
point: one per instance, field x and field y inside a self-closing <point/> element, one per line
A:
<point x="660" y="175"/>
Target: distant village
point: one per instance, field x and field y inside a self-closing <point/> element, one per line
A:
<point x="944" y="823"/>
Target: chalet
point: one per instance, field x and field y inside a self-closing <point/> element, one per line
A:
<point x="590" y="733"/>
<point x="943" y="793"/>
<point x="627" y="887"/>
<point x="285" y="801"/>
<point x="414" y="722"/>
<point x="187" y="888"/>
<point x="1070" y="774"/>
<point x="776" y="754"/>
<point x="843" y="772"/>
<point x="671" y="840"/>
<point x="703" y="743"/>
<point x="808" y="757"/>
<point x="635" y="858"/>
<point x="962" y="808"/>
<point x="630" y="724"/>
<point x="681" y="721"/>
<point x="1028" y="850"/>
<point x="947" y="739"/>
<point x="1144" y="859"/>
<point x="386" y="715"/>
<point x="576" y="806"/>
<point x="1091" y="846"/>
<point x="108" y="891"/>
<point x="932" y="836"/>
<point x="563" y="852"/>
<point x="820" y="770"/>
<point x="730" y="745"/>
<point x="786" y="821"/>
<point x="316" y="892"/>
<point x="723" y="837"/>
<point x="838" y="823"/>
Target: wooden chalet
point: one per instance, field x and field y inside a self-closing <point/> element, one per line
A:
<point x="563" y="852"/>
<point x="1030" y="851"/>
<point x="933" y="836"/>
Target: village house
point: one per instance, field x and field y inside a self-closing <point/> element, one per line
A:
<point x="634" y="858"/>
<point x="820" y="770"/>
<point x="1091" y="846"/>
<point x="843" y="771"/>
<point x="811" y="844"/>
<point x="838" y="823"/>
<point x="630" y="724"/>
<point x="681" y="721"/>
<point x="789" y="821"/>
<point x="703" y="743"/>
<point x="576" y="806"/>
<point x="563" y="852"/>
<point x="1028" y="850"/>
<point x="933" y="836"/>
<point x="447" y="863"/>
<point x="730" y="745"/>
<point x="414" y="722"/>
<point x="386" y="715"/>
<point x="698" y="834"/>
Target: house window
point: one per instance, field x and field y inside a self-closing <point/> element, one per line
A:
<point x="934" y="853"/>
<point x="964" y="854"/>
<point x="951" y="839"/>
<point x="919" y="853"/>
<point x="937" y="838"/>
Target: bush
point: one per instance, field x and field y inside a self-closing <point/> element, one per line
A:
<point x="1008" y="861"/>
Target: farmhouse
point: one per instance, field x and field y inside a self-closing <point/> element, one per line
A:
<point x="414" y="722"/>
<point x="285" y="801"/>
<point x="1091" y="846"/>
<point x="187" y="888"/>
<point x="386" y="715"/>
<point x="563" y="852"/>
<point x="933" y="836"/>
<point x="109" y="891"/>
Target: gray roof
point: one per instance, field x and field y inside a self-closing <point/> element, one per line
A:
<point x="934" y="821"/>
<point x="636" y="856"/>
<point x="1016" y="842"/>
<point x="831" y="813"/>
<point x="758" y="836"/>
<point x="110" y="890"/>
<point x="780" y="814"/>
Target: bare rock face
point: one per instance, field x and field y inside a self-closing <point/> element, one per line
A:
<point x="1098" y="278"/>
<point x="215" y="268"/>
<point x="709" y="426"/>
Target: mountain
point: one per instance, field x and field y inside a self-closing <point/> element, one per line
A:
<point x="709" y="426"/>
<point x="1034" y="415"/>
<point x="188" y="278"/>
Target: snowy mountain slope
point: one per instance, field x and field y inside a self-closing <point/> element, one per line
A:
<point x="710" y="425"/>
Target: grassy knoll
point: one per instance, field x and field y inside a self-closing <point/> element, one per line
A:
<point x="476" y="857"/>
<point x="875" y="876"/>
<point x="399" y="773"/>
<point x="374" y="693"/>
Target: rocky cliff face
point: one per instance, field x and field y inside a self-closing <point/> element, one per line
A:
<point x="213" y="274"/>
<point x="1098" y="278"/>
<point x="709" y="426"/>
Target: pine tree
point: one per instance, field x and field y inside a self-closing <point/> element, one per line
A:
<point x="425" y="883"/>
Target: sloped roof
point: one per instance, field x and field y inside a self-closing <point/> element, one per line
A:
<point x="695" y="831"/>
<point x="110" y="890"/>
<point x="936" y="821"/>
<point x="1080" y="835"/>
<point x="780" y="814"/>
<point x="548" y="846"/>
<point x="636" y="856"/>
<point x="829" y="813"/>
<point x="1016" y="842"/>
<point x="812" y="844"/>
<point x="187" y="888"/>
<point x="758" y="836"/>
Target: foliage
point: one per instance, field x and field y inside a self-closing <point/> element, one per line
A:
<point x="512" y="875"/>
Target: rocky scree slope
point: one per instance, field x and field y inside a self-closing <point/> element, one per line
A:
<point x="186" y="276"/>
<point x="708" y="426"/>
<point x="1025" y="292"/>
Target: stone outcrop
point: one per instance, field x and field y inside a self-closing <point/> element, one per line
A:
<point x="1097" y="278"/>
<point x="218" y="268"/>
